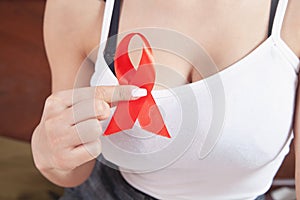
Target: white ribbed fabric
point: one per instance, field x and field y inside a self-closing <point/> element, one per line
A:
<point x="260" y="94"/>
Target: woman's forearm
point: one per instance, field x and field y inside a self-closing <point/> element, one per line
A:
<point x="72" y="178"/>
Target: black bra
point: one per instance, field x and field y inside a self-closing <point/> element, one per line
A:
<point x="110" y="48"/>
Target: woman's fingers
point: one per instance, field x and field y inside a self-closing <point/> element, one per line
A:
<point x="87" y="109"/>
<point x="84" y="132"/>
<point x="69" y="132"/>
<point x="112" y="94"/>
<point x="63" y="100"/>
<point x="86" y="152"/>
<point x="109" y="94"/>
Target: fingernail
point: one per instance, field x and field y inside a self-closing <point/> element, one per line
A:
<point x="138" y="92"/>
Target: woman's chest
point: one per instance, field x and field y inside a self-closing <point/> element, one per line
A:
<point x="226" y="31"/>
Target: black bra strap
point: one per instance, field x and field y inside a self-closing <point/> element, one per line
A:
<point x="111" y="45"/>
<point x="274" y="4"/>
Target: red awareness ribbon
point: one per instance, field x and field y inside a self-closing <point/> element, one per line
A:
<point x="144" y="109"/>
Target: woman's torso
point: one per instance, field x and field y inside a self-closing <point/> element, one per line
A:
<point x="259" y="90"/>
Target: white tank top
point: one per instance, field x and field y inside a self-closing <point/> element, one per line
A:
<point x="259" y="93"/>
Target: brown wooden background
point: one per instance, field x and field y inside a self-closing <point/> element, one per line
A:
<point x="25" y="75"/>
<point x="24" y="71"/>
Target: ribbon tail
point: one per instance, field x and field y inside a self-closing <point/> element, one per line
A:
<point x="164" y="132"/>
<point x="151" y="120"/>
<point x="123" y="118"/>
<point x="112" y="128"/>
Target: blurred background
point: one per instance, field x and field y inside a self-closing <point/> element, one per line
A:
<point x="24" y="86"/>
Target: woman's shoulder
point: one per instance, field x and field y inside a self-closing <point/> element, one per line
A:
<point x="291" y="26"/>
<point x="75" y="21"/>
<point x="71" y="31"/>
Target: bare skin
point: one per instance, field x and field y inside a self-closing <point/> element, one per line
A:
<point x="228" y="30"/>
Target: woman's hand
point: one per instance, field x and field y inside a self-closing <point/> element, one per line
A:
<point x="67" y="139"/>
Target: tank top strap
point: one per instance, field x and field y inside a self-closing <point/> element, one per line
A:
<point x="103" y="74"/>
<point x="279" y="17"/>
<point x="276" y="34"/>
<point x="107" y="17"/>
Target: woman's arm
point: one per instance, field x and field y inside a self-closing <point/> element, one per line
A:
<point x="71" y="31"/>
<point x="64" y="145"/>
<point x="69" y="26"/>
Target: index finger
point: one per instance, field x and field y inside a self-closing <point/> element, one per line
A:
<point x="109" y="94"/>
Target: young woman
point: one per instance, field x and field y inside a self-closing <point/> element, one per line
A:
<point x="260" y="39"/>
